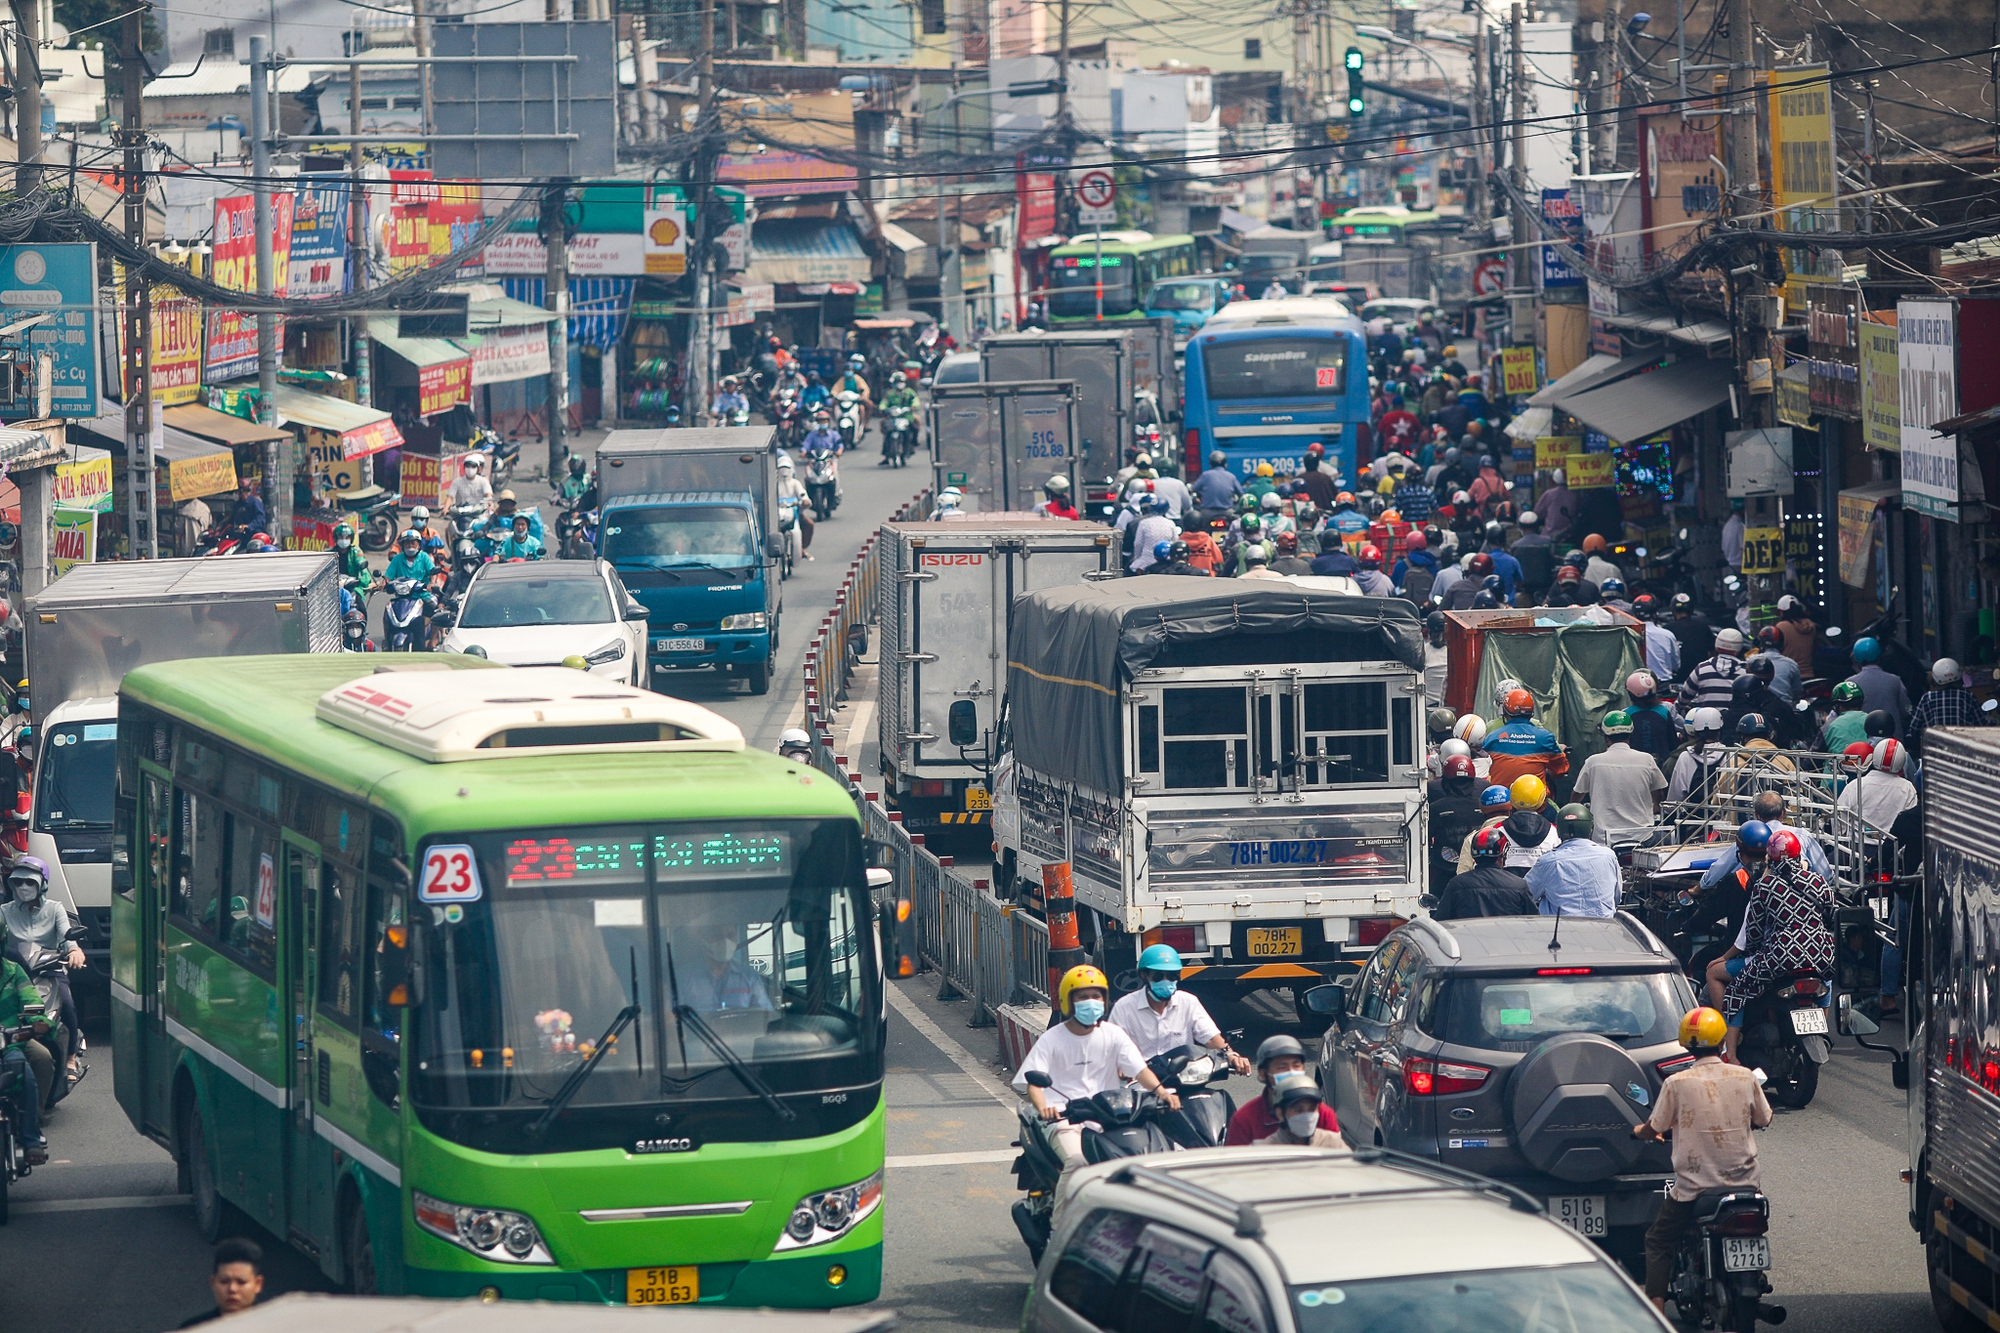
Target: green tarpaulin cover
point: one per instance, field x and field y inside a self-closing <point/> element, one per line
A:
<point x="1576" y="673"/>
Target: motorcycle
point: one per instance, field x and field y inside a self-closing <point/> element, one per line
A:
<point x="1786" y="1035"/>
<point x="1203" y="1118"/>
<point x="1123" y="1122"/>
<point x="787" y="417"/>
<point x="738" y="416"/>
<point x="403" y="620"/>
<point x="847" y="418"/>
<point x="1719" y="1270"/>
<point x="354" y="632"/>
<point x="899" y="437"/>
<point x="823" y="482"/>
<point x="501" y="454"/>
<point x="45" y="967"/>
<point x="375" y="514"/>
<point x="221" y="540"/>
<point x="788" y="533"/>
<point x="16" y="1158"/>
<point x="467" y="520"/>
<point x="572" y="541"/>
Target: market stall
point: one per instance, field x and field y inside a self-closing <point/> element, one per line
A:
<point x="336" y="435"/>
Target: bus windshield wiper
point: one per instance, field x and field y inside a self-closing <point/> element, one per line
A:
<point x="583" y="1071"/>
<point x="686" y="1017"/>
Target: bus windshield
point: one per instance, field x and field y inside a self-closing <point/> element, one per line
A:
<point x="715" y="535"/>
<point x="1182" y="296"/>
<point x="1275" y="367"/>
<point x="757" y="928"/>
<point x="1075" y="281"/>
<point x="74" y="793"/>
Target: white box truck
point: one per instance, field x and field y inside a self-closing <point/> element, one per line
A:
<point x="945" y="603"/>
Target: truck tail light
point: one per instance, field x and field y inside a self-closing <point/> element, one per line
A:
<point x="1181" y="939"/>
<point x="930" y="787"/>
<point x="1423" y="1077"/>
<point x="1370" y="931"/>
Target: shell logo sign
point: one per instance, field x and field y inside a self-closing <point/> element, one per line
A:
<point x="666" y="241"/>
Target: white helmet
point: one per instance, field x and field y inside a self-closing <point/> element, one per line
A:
<point x="420" y="516"/>
<point x="1890" y="756"/>
<point x="1946" y="671"/>
<point x="794" y="738"/>
<point x="1471" y="729"/>
<point x="1503" y="689"/>
<point x="1454" y="749"/>
<point x="1705" y="719"/>
<point x="1271" y="503"/>
<point x="785" y="463"/>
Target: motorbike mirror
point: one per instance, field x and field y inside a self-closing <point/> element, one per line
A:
<point x="1990" y="706"/>
<point x="1038" y="1078"/>
<point x="924" y="383"/>
<point x="34" y="1010"/>
<point x="962" y="723"/>
<point x="1833" y="631"/>
<point x="1330" y="1000"/>
<point x="1805" y="705"/>
<point x="1854" y="1023"/>
<point x="1684" y="534"/>
<point x="1428" y="902"/>
<point x="77" y="933"/>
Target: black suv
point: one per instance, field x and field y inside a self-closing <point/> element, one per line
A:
<point x="1519" y="1048"/>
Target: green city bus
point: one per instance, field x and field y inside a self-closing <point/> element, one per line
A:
<point x="514" y="983"/>
<point x="1130" y="263"/>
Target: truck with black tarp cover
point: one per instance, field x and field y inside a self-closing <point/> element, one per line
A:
<point x="1232" y="770"/>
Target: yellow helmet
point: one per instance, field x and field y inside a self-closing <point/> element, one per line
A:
<point x="1081" y="977"/>
<point x="1266" y="470"/>
<point x="1703" y="1027"/>
<point x="1528" y="792"/>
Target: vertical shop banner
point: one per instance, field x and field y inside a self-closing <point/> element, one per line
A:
<point x="666" y="241"/>
<point x="176" y="347"/>
<point x="443" y="384"/>
<point x="456" y="217"/>
<point x="1804" y="187"/>
<point x="1035" y="195"/>
<point x="59" y="284"/>
<point x="232" y="334"/>
<point x="1561" y="212"/>
<point x="1881" y="418"/>
<point x="319" y="236"/>
<point x="1833" y="361"/>
<point x="1857" y="537"/>
<point x="1682" y="186"/>
<point x="1927" y="366"/>
<point x="73" y="540"/>
<point x="1518" y="367"/>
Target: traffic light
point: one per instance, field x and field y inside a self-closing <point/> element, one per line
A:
<point x="1357" y="103"/>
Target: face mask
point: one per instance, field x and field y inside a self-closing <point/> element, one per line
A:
<point x="343" y="543"/>
<point x="1089" y="1012"/>
<point x="1303" y="1123"/>
<point x="27" y="893"/>
<point x="720" y="950"/>
<point x="1163" y="989"/>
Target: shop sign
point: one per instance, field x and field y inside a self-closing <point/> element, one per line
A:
<point x="176" y="347"/>
<point x="1833" y="358"/>
<point x="1794" y="399"/>
<point x="442" y="385"/>
<point x="73" y="540"/>
<point x="666" y="241"/>
<point x="1927" y="392"/>
<point x="232" y="334"/>
<point x="522" y="254"/>
<point x="1561" y="212"/>
<point x="83" y="485"/>
<point x="1857" y="538"/>
<point x="422" y="480"/>
<point x="1518" y="367"/>
<point x="1763" y="551"/>
<point x="1881" y="418"/>
<point x="319" y="236"/>
<point x="59" y="283"/>
<point x="517" y="353"/>
<point x="310" y="533"/>
<point x="1590" y="472"/>
<point x="204" y="474"/>
<point x="1552" y="450"/>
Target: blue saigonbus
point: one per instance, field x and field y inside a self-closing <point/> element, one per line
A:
<point x="1265" y="379"/>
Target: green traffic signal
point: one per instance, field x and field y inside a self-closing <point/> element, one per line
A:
<point x="1354" y="57"/>
<point x="1356" y="107"/>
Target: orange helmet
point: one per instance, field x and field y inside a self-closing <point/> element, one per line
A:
<point x="1371" y="557"/>
<point x="1518" y="703"/>
<point x="1594" y="543"/>
<point x="1391" y="516"/>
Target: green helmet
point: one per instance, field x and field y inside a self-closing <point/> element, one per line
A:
<point x="1847" y="694"/>
<point x="1574" y="821"/>
<point x="1617" y="722"/>
<point x="1246" y="504"/>
<point x="1251" y="524"/>
<point x="343" y="530"/>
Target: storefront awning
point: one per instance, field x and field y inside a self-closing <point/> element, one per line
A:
<point x="807" y="251"/>
<point x="359" y="430"/>
<point x="195" y="467"/>
<point x="444" y="367"/>
<point x="1632" y="409"/>
<point x="1598" y="371"/>
<point x="505" y="312"/>
<point x="220" y="427"/>
<point x="1700" y="333"/>
<point x="598" y="307"/>
<point x="1529" y="424"/>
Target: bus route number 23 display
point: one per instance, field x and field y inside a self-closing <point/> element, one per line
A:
<point x="451" y="875"/>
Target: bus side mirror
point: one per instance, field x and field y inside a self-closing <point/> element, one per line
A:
<point x="400" y="984"/>
<point x="962" y="723"/>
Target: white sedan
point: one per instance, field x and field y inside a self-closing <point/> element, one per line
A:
<point x="539" y="612"/>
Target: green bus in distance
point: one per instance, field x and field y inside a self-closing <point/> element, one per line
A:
<point x="1130" y="263"/>
<point x="513" y="983"/>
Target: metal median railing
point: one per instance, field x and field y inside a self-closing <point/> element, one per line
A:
<point x="933" y="914"/>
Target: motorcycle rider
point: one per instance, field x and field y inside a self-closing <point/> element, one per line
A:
<point x="1216" y="489"/>
<point x="1172" y="558"/>
<point x="1696" y="766"/>
<point x="1083" y="1055"/>
<point x="1299" y="1105"/>
<point x="471" y="487"/>
<point x="37" y="1071"/>
<point x="1521" y="747"/>
<point x="410" y="562"/>
<point x="1879" y="688"/>
<point x="1881" y="794"/>
<point x="30" y="918"/>
<point x="1055" y="501"/>
<point x="795" y="745"/>
<point x="854" y="380"/>
<point x="1711" y="1107"/>
<point x="1655" y="729"/>
<point x="900" y="398"/>
<point x="1785" y="929"/>
<point x="1370" y="578"/>
<point x="1849" y="721"/>
<point x="1751" y="692"/>
<point x="728" y="398"/>
<point x="1489" y="888"/>
<point x="521" y="544"/>
<point x="1786" y="680"/>
<point x="466" y="561"/>
<point x="815" y="397"/>
<point x="1161" y="1017"/>
<point x="1535" y="554"/>
<point x="1580" y="876"/>
<point x="1260" y="1117"/>
<point x="576" y="489"/>
<point x="1455" y="815"/>
<point x="1152" y="529"/>
<point x="250" y="514"/>
<point x="791" y="488"/>
<point x="1496" y="807"/>
<point x="1949" y="704"/>
<point x="1691" y="627"/>
<point x="1623" y="785"/>
<point x="1711" y="683"/>
<point x="1663" y="650"/>
<point x="353" y="564"/>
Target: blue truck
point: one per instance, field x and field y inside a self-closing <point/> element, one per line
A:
<point x="688" y="519"/>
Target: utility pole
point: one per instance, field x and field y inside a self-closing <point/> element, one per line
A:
<point x="1301" y="43"/>
<point x="1605" y="97"/>
<point x="277" y="455"/>
<point x="358" y="251"/>
<point x="555" y="298"/>
<point x="1521" y="324"/>
<point x="28" y="97"/>
<point x="700" y="242"/>
<point x="142" y="532"/>
<point x="1753" y="342"/>
<point x="1481" y="112"/>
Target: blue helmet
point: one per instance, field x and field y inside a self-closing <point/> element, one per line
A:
<point x="1867" y="650"/>
<point x="1612" y="587"/>
<point x="1752" y="837"/>
<point x="1495" y="795"/>
<point x="1163" y="552"/>
<point x="1160" y="958"/>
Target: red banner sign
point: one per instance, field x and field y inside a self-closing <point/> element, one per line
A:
<point x="442" y="385"/>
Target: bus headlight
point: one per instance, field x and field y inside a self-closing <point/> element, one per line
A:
<point x="490" y="1233"/>
<point x="747" y="620"/>
<point x="830" y="1214"/>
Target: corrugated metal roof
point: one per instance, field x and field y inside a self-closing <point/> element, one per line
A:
<point x="278" y="572"/>
<point x="317" y="410"/>
<point x="420" y="351"/>
<point x="221" y="78"/>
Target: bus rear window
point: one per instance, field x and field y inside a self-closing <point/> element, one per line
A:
<point x="1275" y="367"/>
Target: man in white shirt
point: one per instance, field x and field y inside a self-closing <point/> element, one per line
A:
<point x="1881" y="793"/>
<point x="1161" y="1017"/>
<point x="1083" y="1055"/>
<point x="1622" y="784"/>
<point x="471" y="487"/>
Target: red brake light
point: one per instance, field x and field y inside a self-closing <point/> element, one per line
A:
<point x="1423" y="1077"/>
<point x="1562" y="971"/>
<point x="1744" y="1223"/>
<point x="1674" y="1066"/>
<point x="1809" y="986"/>
<point x="930" y="787"/>
<point x="1372" y="930"/>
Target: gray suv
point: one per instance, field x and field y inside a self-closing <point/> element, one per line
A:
<point x="1518" y="1048"/>
<point x="1316" y="1240"/>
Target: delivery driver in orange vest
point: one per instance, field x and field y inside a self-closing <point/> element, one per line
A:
<point x="1522" y="748"/>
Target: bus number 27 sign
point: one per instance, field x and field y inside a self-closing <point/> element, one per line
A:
<point x="451" y="875"/>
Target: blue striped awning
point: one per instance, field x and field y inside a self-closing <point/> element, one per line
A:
<point x="598" y="307"/>
<point x="807" y="250"/>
